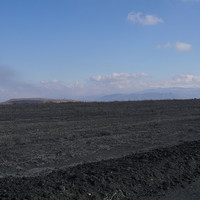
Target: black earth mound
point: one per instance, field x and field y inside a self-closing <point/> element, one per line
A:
<point x="138" y="176"/>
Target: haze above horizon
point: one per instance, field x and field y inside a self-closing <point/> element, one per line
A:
<point x="81" y="48"/>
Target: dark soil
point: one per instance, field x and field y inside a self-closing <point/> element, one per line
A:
<point x="138" y="176"/>
<point x="151" y="150"/>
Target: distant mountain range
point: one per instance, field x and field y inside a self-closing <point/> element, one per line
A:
<point x="151" y="94"/>
<point x="155" y="94"/>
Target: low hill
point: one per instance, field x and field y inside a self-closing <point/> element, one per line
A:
<point x="36" y="100"/>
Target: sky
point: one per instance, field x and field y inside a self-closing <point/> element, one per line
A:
<point x="81" y="48"/>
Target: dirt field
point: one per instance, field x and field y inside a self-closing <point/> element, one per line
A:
<point x="55" y="151"/>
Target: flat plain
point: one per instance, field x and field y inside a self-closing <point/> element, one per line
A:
<point x="113" y="150"/>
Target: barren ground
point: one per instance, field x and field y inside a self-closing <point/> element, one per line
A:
<point x="55" y="151"/>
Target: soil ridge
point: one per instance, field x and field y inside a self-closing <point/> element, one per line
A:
<point x="138" y="176"/>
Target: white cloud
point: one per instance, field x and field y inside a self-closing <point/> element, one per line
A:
<point x="143" y="19"/>
<point x="178" y="46"/>
<point x="116" y="82"/>
<point x="186" y="80"/>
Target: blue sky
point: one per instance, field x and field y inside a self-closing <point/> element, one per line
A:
<point x="75" y="48"/>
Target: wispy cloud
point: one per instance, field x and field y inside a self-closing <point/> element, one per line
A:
<point x="118" y="77"/>
<point x="178" y="46"/>
<point x="144" y="19"/>
<point x="191" y="0"/>
<point x="182" y="80"/>
<point x="96" y="85"/>
<point x="7" y="76"/>
<point x="127" y="83"/>
<point x="164" y="46"/>
<point x="56" y="84"/>
<point x="186" y="80"/>
<point x="116" y="81"/>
